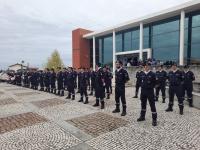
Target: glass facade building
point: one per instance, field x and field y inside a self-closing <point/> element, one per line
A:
<point x="172" y="38"/>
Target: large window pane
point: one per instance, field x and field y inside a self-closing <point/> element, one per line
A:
<point x="166" y="27"/>
<point x="108" y="51"/>
<point x="195" y="53"/>
<point x="196" y="35"/>
<point x="119" y="42"/>
<point x="166" y="40"/>
<point x="127" y="41"/>
<point x="166" y="53"/>
<point x="196" y="21"/>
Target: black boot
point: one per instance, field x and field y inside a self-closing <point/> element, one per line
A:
<point x="97" y="103"/>
<point x="169" y="108"/>
<point x="73" y="97"/>
<point x="102" y="104"/>
<point x="142" y="116"/>
<point x="136" y="95"/>
<point x="81" y="100"/>
<point x="51" y="90"/>
<point x="154" y="119"/>
<point x="108" y="96"/>
<point x="190" y="102"/>
<point x="86" y="100"/>
<point x="163" y="100"/>
<point x="156" y="98"/>
<point x="181" y="109"/>
<point x="58" y="92"/>
<point x="117" y="109"/>
<point x="62" y="93"/>
<point x="124" y="111"/>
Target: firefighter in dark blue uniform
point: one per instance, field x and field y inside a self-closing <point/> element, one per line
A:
<point x="71" y="77"/>
<point x="65" y="74"/>
<point x="47" y="80"/>
<point x="108" y="80"/>
<point x="99" y="87"/>
<point x="36" y="80"/>
<point x="83" y="76"/>
<point x="92" y="78"/>
<point x="41" y="80"/>
<point x="25" y="76"/>
<point x="60" y="82"/>
<point x="121" y="77"/>
<point x="138" y="81"/>
<point x="188" y="85"/>
<point x="176" y="79"/>
<point x="161" y="77"/>
<point x="148" y="79"/>
<point x="53" y="81"/>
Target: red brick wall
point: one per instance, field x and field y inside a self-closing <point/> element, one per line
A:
<point x="80" y="49"/>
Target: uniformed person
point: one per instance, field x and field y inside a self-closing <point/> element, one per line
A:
<point x="47" y="80"/>
<point x="41" y="80"/>
<point x="92" y="80"/>
<point x="99" y="87"/>
<point x="161" y="77"/>
<point x="108" y="81"/>
<point x="138" y="81"/>
<point x="176" y="79"/>
<point x="71" y="77"/>
<point x="83" y="76"/>
<point x="188" y="85"/>
<point x="148" y="79"/>
<point x="53" y="81"/>
<point x="78" y="75"/>
<point x="60" y="82"/>
<point x="121" y="77"/>
<point x="25" y="79"/>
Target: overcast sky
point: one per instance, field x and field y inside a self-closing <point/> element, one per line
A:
<point x="31" y="29"/>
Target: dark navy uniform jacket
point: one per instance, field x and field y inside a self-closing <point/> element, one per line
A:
<point x="188" y="78"/>
<point x="84" y="77"/>
<point x="99" y="78"/>
<point x="138" y="77"/>
<point x="148" y="80"/>
<point x="175" y="78"/>
<point x="121" y="77"/>
<point x="161" y="77"/>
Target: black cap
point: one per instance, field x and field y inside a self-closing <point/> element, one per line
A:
<point x="147" y="64"/>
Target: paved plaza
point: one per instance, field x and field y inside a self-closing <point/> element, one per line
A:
<point x="34" y="120"/>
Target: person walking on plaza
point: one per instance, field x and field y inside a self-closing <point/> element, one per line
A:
<point x="83" y="76"/>
<point x="99" y="87"/>
<point x="148" y="79"/>
<point x="60" y="83"/>
<point x="161" y="77"/>
<point x="138" y="81"/>
<point x="176" y="79"/>
<point x="188" y="85"/>
<point x="121" y="77"/>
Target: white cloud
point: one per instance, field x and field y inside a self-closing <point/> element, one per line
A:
<point x="32" y="29"/>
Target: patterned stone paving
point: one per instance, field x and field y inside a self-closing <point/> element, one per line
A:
<point x="97" y="123"/>
<point x="43" y="136"/>
<point x="48" y="102"/>
<point x="19" y="121"/>
<point x="75" y="126"/>
<point x="67" y="111"/>
<point x="15" y="89"/>
<point x="26" y="94"/>
<point x="1" y="93"/>
<point x="7" y="101"/>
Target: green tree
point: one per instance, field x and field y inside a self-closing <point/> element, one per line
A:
<point x="54" y="61"/>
